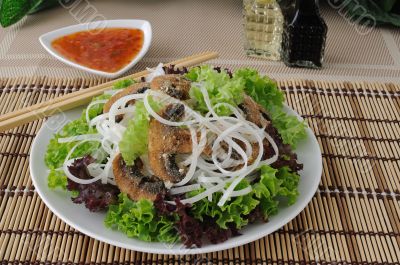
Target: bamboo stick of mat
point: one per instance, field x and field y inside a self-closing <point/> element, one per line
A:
<point x="82" y="97"/>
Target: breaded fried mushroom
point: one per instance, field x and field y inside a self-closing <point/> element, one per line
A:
<point x="176" y="86"/>
<point x="132" y="181"/>
<point x="253" y="112"/>
<point x="166" y="142"/>
<point x="137" y="88"/>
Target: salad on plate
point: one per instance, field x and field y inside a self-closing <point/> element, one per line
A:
<point x="188" y="156"/>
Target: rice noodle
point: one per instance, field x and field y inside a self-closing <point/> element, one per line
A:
<point x="237" y="180"/>
<point x="235" y="146"/>
<point x="108" y="169"/>
<point x="202" y="195"/>
<point x="82" y="137"/>
<point x="96" y="102"/>
<point x="121" y="104"/>
<point x="184" y="189"/>
<point x="95" y="169"/>
<point x="161" y="119"/>
<point x="68" y="161"/>
<point x="196" y="151"/>
<point x="237" y="193"/>
<point x="98" y="119"/>
<point x="157" y="71"/>
<point x="203" y="179"/>
<point x="75" y="179"/>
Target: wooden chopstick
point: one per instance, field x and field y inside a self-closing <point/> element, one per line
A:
<point x="187" y="61"/>
<point x="82" y="97"/>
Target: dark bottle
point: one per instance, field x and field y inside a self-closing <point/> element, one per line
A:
<point x="304" y="35"/>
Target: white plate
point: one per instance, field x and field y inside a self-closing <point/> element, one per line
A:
<point x="91" y="224"/>
<point x="144" y="25"/>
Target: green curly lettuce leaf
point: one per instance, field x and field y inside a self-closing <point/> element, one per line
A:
<point x="140" y="220"/>
<point x="273" y="185"/>
<point x="266" y="189"/>
<point x="134" y="141"/>
<point x="289" y="127"/>
<point x="135" y="138"/>
<point x="265" y="92"/>
<point x="220" y="87"/>
<point x="234" y="211"/>
<point x="57" y="152"/>
<point x="262" y="89"/>
<point x="124" y="83"/>
<point x="290" y="182"/>
<point x="223" y="89"/>
<point x="56" y="179"/>
<point x="97" y="109"/>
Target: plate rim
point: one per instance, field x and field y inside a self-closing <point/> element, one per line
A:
<point x="239" y="241"/>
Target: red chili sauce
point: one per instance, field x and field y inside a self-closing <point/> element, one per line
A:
<point x="107" y="50"/>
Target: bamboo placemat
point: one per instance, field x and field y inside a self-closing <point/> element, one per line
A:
<point x="352" y="219"/>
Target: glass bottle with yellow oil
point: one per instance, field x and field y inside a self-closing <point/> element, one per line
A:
<point x="263" y="26"/>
